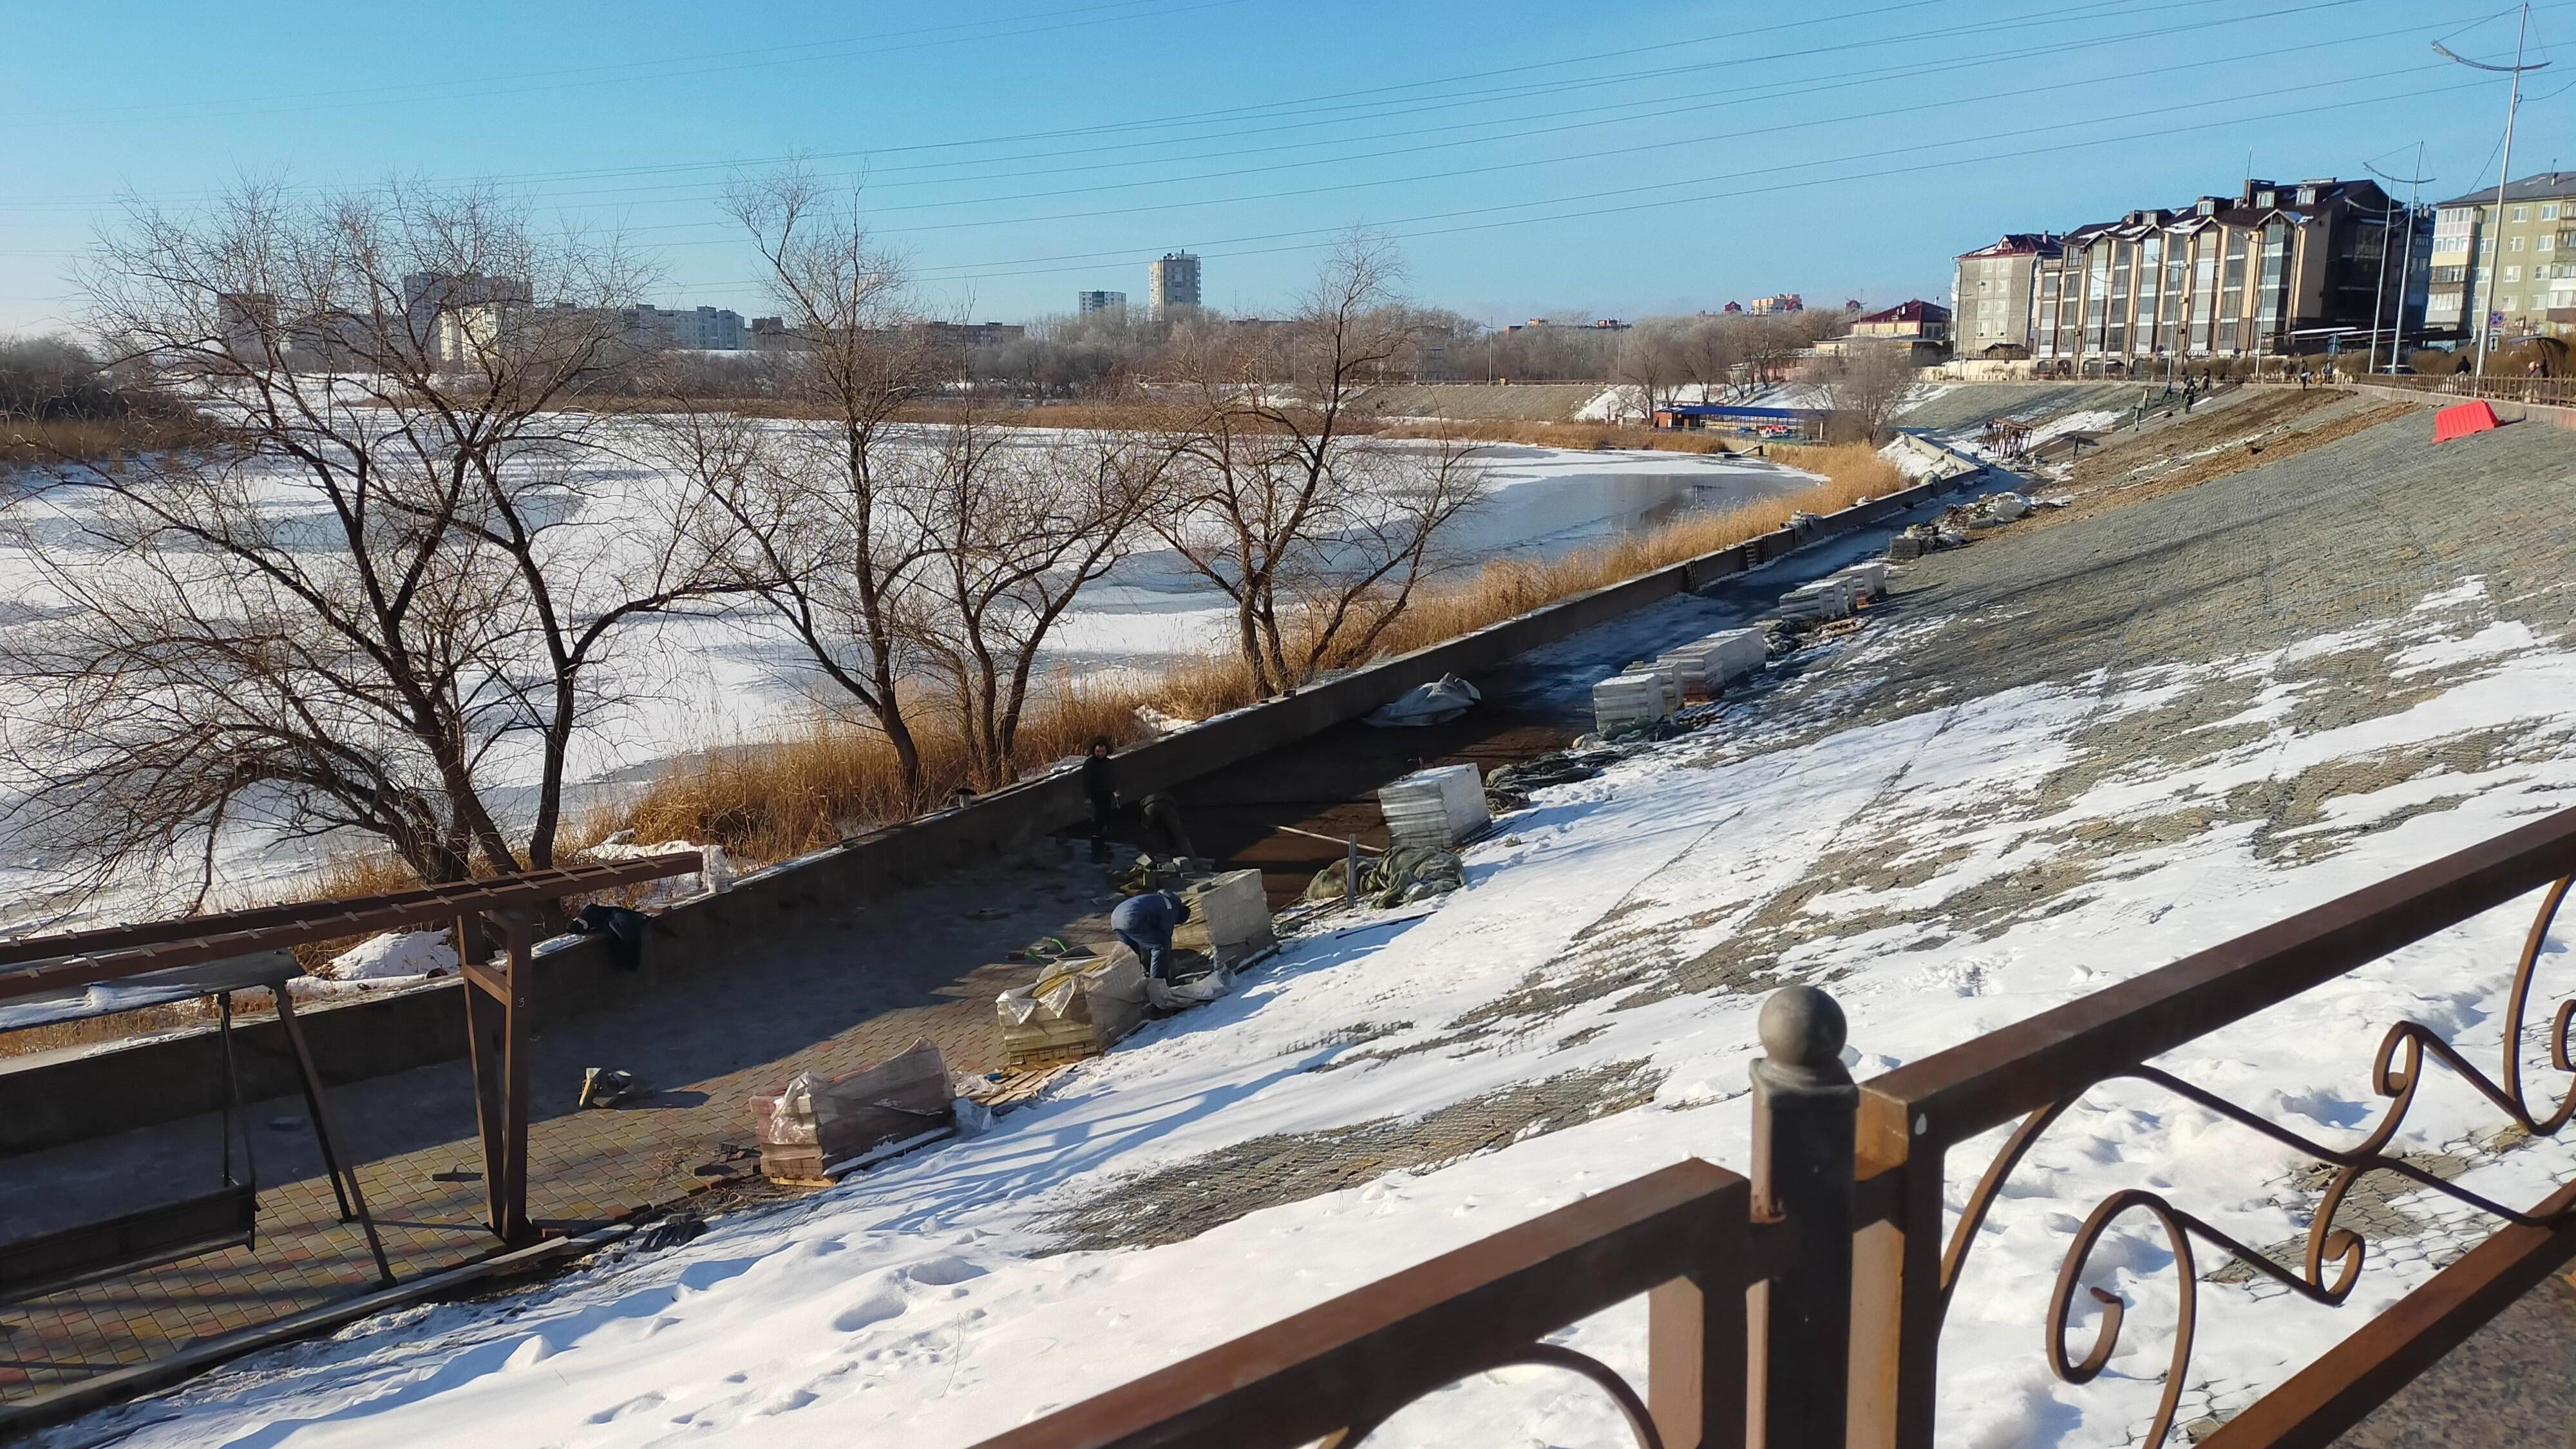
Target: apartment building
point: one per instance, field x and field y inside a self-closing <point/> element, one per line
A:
<point x="2518" y="271"/>
<point x="1086" y="303"/>
<point x="1171" y="283"/>
<point x="1991" y="300"/>
<point x="705" y="329"/>
<point x="2280" y="269"/>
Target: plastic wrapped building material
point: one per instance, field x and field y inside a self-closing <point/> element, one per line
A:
<point x="1690" y="664"/>
<point x="1869" y="577"/>
<point x="1438" y="702"/>
<point x="1735" y="653"/>
<point x="1229" y="919"/>
<point x="1626" y="701"/>
<point x="1435" y="807"/>
<point x="1828" y="598"/>
<point x="1081" y="1008"/>
<point x="818" y="1121"/>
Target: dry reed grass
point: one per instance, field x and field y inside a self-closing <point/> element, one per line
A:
<point x="1593" y="436"/>
<point x="769" y="800"/>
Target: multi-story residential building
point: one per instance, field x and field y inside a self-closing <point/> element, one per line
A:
<point x="1991" y="300"/>
<point x="1917" y="319"/>
<point x="704" y="329"/>
<point x="1776" y="304"/>
<point x="972" y="334"/>
<point x="1171" y="284"/>
<point x="1086" y="303"/>
<point x="462" y="319"/>
<point x="2518" y="272"/>
<point x="2278" y="270"/>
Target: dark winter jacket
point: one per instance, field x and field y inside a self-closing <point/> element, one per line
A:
<point x="1150" y="917"/>
<point x="1096" y="782"/>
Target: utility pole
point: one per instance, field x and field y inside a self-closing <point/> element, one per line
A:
<point x="2504" y="172"/>
<point x="2406" y="272"/>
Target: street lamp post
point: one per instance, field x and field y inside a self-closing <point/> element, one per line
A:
<point x="2512" y="104"/>
<point x="2406" y="272"/>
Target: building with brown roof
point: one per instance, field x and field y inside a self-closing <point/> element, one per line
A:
<point x="2277" y="270"/>
<point x="1990" y="302"/>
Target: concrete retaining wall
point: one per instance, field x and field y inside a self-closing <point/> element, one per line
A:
<point x="66" y="1097"/>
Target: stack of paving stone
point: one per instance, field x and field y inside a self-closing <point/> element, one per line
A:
<point x="1826" y="598"/>
<point x="1734" y="653"/>
<point x="1869" y="579"/>
<point x="1626" y="701"/>
<point x="1690" y="665"/>
<point x="1230" y="918"/>
<point x="1437" y="807"/>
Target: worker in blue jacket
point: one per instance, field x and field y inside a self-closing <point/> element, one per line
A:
<point x="1145" y="924"/>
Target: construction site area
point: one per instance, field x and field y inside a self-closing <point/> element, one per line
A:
<point x="2096" y="556"/>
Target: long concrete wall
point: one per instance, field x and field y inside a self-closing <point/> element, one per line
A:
<point x="69" y="1096"/>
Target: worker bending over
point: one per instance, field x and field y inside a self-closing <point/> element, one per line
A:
<point x="1145" y="924"/>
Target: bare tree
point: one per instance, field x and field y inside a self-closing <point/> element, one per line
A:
<point x="1707" y="355"/>
<point x="823" y="530"/>
<point x="1869" y="387"/>
<point x="1317" y="532"/>
<point x="1650" y="360"/>
<point x="381" y="599"/>
<point x="1018" y="526"/>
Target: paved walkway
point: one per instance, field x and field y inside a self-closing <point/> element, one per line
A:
<point x="926" y="964"/>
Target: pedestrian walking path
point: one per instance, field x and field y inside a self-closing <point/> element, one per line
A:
<point x="873" y="981"/>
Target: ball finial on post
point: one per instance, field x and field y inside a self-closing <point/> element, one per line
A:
<point x="1802" y="1028"/>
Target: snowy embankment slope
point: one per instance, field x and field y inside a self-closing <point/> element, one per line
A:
<point x="1582" y="1014"/>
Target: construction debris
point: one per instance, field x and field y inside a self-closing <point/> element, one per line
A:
<point x="1436" y="807"/>
<point x="1509" y="786"/>
<point x="1406" y="873"/>
<point x="816" y="1123"/>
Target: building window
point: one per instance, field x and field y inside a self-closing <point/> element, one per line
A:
<point x="2522" y="213"/>
<point x="2549" y="212"/>
<point x="2514" y="245"/>
<point x="2513" y="274"/>
<point x="2507" y="305"/>
<point x="2545" y="239"/>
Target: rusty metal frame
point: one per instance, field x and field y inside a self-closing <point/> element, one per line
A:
<point x="1682" y="1236"/>
<point x="496" y="993"/>
<point x="1905" y="1265"/>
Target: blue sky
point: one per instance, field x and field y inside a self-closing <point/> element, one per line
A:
<point x="1619" y="159"/>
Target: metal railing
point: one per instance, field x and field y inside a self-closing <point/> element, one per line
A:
<point x="2553" y="391"/>
<point x="1805" y="1307"/>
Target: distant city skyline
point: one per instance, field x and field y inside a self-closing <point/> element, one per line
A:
<point x="1663" y="159"/>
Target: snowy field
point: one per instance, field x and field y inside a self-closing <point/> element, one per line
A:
<point x="1943" y="869"/>
<point x="683" y="683"/>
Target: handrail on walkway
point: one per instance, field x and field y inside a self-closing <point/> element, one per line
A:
<point x="1805" y="1307"/>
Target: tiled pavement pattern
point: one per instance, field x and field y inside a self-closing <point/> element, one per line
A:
<point x="922" y="964"/>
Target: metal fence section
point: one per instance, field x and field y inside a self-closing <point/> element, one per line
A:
<point x="1805" y="1307"/>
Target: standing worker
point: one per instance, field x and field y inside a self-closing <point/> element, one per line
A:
<point x="1145" y="924"/>
<point x="1103" y="794"/>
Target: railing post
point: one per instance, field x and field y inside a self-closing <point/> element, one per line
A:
<point x="1804" y="1106"/>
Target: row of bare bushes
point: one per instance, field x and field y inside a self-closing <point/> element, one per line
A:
<point x="778" y="798"/>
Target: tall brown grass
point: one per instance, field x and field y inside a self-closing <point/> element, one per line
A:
<point x="773" y="799"/>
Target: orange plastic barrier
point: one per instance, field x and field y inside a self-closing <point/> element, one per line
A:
<point x="2461" y="420"/>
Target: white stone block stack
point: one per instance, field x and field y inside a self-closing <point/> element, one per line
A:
<point x="1826" y="598"/>
<point x="1626" y="701"/>
<point x="1735" y="653"/>
<point x="1868" y="578"/>
<point x="1437" y="807"/>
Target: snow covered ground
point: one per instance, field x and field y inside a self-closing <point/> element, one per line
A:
<point x="690" y="682"/>
<point x="1945" y="863"/>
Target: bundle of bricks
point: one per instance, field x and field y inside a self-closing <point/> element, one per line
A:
<point x="1436" y="807"/>
<point x="1826" y="598"/>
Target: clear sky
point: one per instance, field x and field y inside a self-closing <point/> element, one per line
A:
<point x="1620" y="158"/>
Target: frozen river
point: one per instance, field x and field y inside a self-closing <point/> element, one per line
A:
<point x="686" y="684"/>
